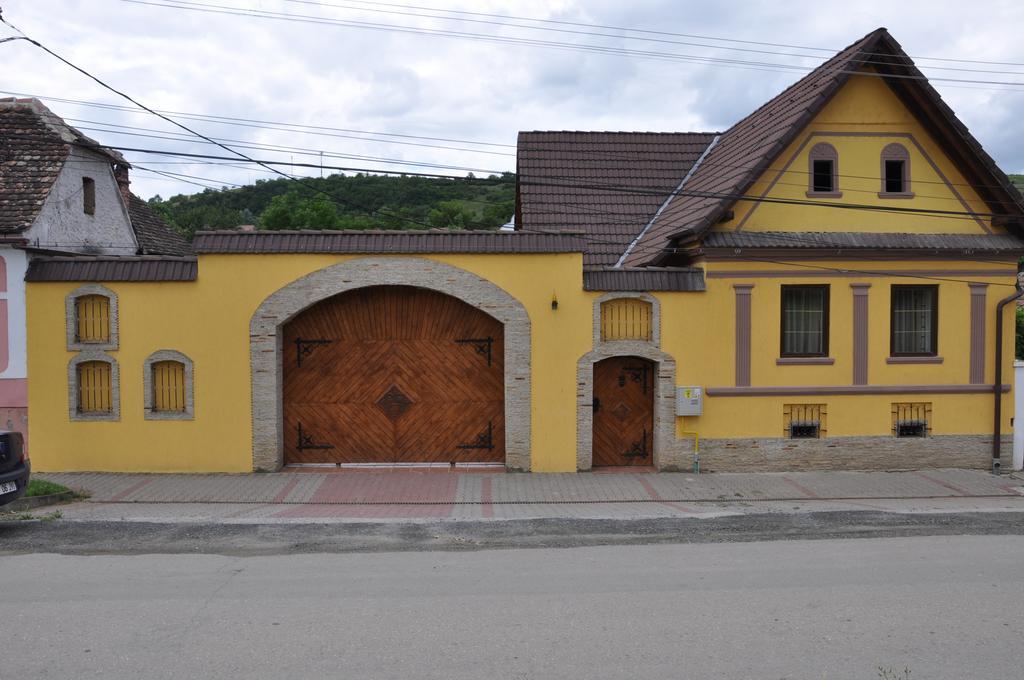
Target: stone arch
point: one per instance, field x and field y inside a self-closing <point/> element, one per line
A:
<point x="278" y="308"/>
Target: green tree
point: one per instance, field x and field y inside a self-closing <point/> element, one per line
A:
<point x="450" y="215"/>
<point x="290" y="211"/>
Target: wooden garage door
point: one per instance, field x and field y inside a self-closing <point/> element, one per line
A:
<point x="393" y="374"/>
<point x="623" y="411"/>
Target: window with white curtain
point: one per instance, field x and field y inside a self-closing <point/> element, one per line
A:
<point x="805" y="321"/>
<point x="915" y="320"/>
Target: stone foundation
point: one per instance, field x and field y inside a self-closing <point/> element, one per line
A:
<point x="851" y="453"/>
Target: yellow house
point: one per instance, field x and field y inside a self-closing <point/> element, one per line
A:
<point x="824" y="285"/>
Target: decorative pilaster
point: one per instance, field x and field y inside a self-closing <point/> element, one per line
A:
<point x="860" y="332"/>
<point x="977" y="365"/>
<point x="742" y="333"/>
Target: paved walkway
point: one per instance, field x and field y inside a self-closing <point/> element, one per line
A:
<point x="403" y="495"/>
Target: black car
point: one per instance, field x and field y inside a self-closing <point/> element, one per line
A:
<point x="14" y="467"/>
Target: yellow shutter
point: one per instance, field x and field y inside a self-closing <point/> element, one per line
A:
<point x="625" y="319"/>
<point x="94" y="387"/>
<point x="92" y="315"/>
<point x="169" y="386"/>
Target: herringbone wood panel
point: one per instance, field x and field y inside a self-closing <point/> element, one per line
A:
<point x="401" y="340"/>
<point x="624" y="419"/>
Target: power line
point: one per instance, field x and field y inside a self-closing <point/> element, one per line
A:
<point x="375" y="7"/>
<point x="666" y="56"/>
<point x="594" y="154"/>
<point x="645" y="31"/>
<point x="202" y="136"/>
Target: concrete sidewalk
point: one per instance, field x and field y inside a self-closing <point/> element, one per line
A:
<point x="409" y="495"/>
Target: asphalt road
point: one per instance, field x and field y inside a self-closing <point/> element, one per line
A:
<point x="942" y="606"/>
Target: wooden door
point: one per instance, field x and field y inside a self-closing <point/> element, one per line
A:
<point x="393" y="374"/>
<point x="623" y="412"/>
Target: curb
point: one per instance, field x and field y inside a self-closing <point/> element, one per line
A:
<point x="39" y="501"/>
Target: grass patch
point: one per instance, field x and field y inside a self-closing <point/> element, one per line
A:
<point x="41" y="487"/>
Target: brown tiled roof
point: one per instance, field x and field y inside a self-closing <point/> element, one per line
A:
<point x="645" y="279"/>
<point x="749" y="147"/>
<point x="992" y="243"/>
<point x="137" y="269"/>
<point x="155" y="236"/>
<point x="383" y="242"/>
<point x="34" y="143"/>
<point x="608" y="184"/>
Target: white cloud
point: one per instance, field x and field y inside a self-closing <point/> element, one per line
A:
<point x="464" y="89"/>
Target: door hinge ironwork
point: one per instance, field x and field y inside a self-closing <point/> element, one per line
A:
<point x="638" y="449"/>
<point x="303" y="348"/>
<point x="481" y="345"/>
<point x="637" y="374"/>
<point x="484" y="440"/>
<point x="306" y="440"/>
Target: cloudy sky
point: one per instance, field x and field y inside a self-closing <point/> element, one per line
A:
<point x="443" y="86"/>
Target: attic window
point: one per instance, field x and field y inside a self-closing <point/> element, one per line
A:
<point x="824" y="171"/>
<point x="89" y="195"/>
<point x="895" y="172"/>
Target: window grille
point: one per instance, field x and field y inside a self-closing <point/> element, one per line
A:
<point x="92" y="318"/>
<point x="169" y="386"/>
<point x="95" y="392"/>
<point x="911" y="419"/>
<point x="626" y="319"/>
<point x="804" y="421"/>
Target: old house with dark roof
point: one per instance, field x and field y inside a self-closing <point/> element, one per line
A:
<point x="61" y="193"/>
<point x="825" y="284"/>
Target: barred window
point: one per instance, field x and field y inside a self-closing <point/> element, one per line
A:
<point x="95" y="388"/>
<point x="92" y="319"/>
<point x="804" y="421"/>
<point x="626" y="319"/>
<point x="911" y="419"/>
<point x="915" y="321"/>
<point x="805" y="321"/>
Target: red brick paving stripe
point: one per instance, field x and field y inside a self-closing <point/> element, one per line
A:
<point x="951" y="487"/>
<point x="129" y="491"/>
<point x="386" y="488"/>
<point x="655" y="496"/>
<point x="308" y="510"/>
<point x="279" y="498"/>
<point x="487" y="497"/>
<point x="800" y="487"/>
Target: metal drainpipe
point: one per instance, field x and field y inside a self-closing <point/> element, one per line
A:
<point x="997" y="389"/>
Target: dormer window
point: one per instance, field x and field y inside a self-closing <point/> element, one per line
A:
<point x="88" y="195"/>
<point x="824" y="172"/>
<point x="895" y="172"/>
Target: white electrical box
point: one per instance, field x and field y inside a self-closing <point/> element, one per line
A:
<point x="689" y="401"/>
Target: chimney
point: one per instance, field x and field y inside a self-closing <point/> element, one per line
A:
<point x="121" y="175"/>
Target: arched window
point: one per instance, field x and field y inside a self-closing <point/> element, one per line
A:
<point x="94" y="387"/>
<point x="91" y="313"/>
<point x="626" y="319"/>
<point x="895" y="172"/>
<point x="823" y="171"/>
<point x="168" y="387"/>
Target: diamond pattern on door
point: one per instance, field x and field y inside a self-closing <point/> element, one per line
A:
<point x="390" y="380"/>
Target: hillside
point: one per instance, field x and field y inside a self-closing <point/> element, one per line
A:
<point x="1018" y="180"/>
<point x="359" y="202"/>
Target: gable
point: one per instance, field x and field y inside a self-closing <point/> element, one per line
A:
<point x="864" y="120"/>
<point x="752" y="147"/>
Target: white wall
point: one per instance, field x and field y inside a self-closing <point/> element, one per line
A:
<point x="62" y="223"/>
<point x="17" y="263"/>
